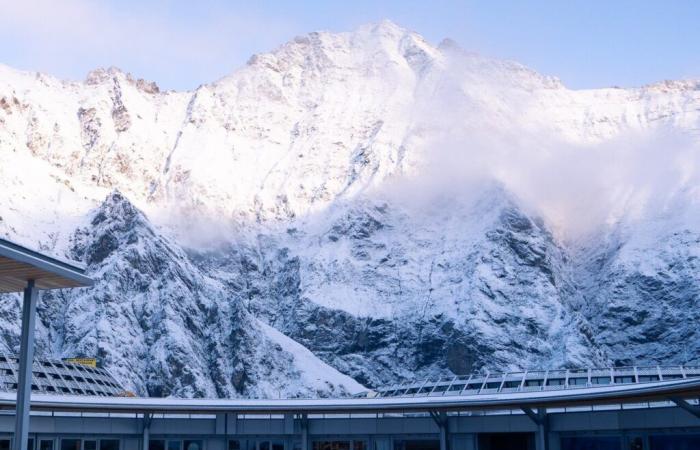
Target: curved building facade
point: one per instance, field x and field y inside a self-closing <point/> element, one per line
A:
<point x="661" y="414"/>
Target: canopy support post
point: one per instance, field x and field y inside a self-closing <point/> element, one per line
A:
<point x="146" y="430"/>
<point x="26" y="360"/>
<point x="541" y="420"/>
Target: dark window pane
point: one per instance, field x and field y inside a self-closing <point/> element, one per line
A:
<point x="30" y="444"/>
<point x="591" y="443"/>
<point x="70" y="444"/>
<point x="265" y="445"/>
<point x="277" y="445"/>
<point x="156" y="444"/>
<point x="192" y="445"/>
<point x="4" y="444"/>
<point x="234" y="445"/>
<point x="45" y="444"/>
<point x="359" y="445"/>
<point x="174" y="445"/>
<point x="675" y="442"/>
<point x="89" y="445"/>
<point x="109" y="444"/>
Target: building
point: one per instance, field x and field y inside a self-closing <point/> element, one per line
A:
<point x="589" y="409"/>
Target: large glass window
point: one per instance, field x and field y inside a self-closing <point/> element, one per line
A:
<point x="675" y="442"/>
<point x="277" y="445"/>
<point x="89" y="444"/>
<point x="417" y="444"/>
<point x="191" y="445"/>
<point x="70" y="444"/>
<point x="4" y="444"/>
<point x="234" y="444"/>
<point x="156" y="444"/>
<point x="591" y="443"/>
<point x="109" y="444"/>
<point x="46" y="444"/>
<point x="174" y="445"/>
<point x="331" y="445"/>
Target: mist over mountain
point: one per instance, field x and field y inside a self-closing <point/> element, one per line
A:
<point x="360" y="205"/>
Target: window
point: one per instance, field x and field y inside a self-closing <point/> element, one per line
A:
<point x="45" y="444"/>
<point x="533" y="382"/>
<point x="109" y="444"/>
<point x="30" y="444"/>
<point x="578" y="381"/>
<point x="648" y="378"/>
<point x="674" y="441"/>
<point x="624" y="379"/>
<point x="600" y="380"/>
<point x="4" y="444"/>
<point x="191" y="445"/>
<point x="511" y="384"/>
<point x="555" y="382"/>
<point x="234" y="445"/>
<point x="156" y="444"/>
<point x="70" y="444"/>
<point x="591" y="443"/>
<point x="89" y="444"/>
<point x="331" y="445"/>
<point x="174" y="445"/>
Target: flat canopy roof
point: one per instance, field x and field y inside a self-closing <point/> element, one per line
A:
<point x="19" y="264"/>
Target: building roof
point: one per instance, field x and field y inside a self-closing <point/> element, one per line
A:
<point x="19" y="264"/>
<point x="59" y="377"/>
<point x="599" y="395"/>
<point x="534" y="380"/>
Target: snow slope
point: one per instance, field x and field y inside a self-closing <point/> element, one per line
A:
<point x="400" y="209"/>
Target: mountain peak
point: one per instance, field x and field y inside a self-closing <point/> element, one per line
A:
<point x="107" y="75"/>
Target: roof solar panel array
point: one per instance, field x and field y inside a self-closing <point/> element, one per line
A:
<point x="541" y="380"/>
<point x="59" y="378"/>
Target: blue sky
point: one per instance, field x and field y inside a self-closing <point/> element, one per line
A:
<point x="181" y="44"/>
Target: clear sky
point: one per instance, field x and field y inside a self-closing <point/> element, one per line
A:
<point x="181" y="44"/>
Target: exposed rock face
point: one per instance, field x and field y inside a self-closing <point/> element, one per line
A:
<point x="274" y="197"/>
<point x="642" y="294"/>
<point x="385" y="295"/>
<point x="162" y="326"/>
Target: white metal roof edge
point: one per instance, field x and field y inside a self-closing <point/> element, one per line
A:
<point x="661" y="389"/>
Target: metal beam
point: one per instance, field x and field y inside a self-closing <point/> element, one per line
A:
<point x="681" y="403"/>
<point x="146" y="431"/>
<point x="26" y="360"/>
<point x="440" y="419"/>
<point x="304" y="432"/>
<point x="540" y="419"/>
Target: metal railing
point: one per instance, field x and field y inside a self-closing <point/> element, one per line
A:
<point x="535" y="380"/>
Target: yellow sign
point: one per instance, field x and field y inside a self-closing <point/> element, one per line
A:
<point x="90" y="362"/>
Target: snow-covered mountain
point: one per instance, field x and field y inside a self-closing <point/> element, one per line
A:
<point x="362" y="203"/>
